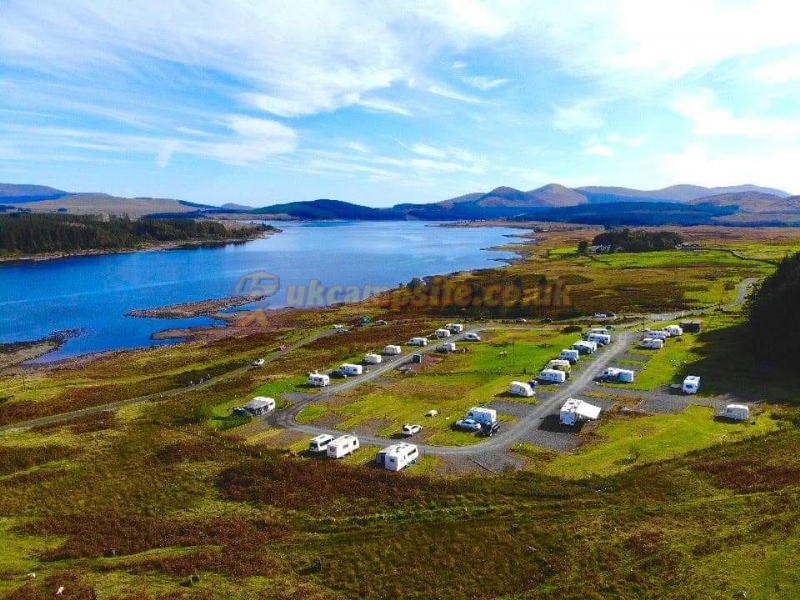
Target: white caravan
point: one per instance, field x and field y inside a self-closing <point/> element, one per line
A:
<point x="319" y="444"/>
<point x="482" y="415"/>
<point x="618" y="375"/>
<point x="691" y="385"/>
<point x="659" y="334"/>
<point x="520" y="388"/>
<point x="674" y="330"/>
<point x="442" y="333"/>
<point x="602" y="339"/>
<point x="260" y="405"/>
<point x="397" y="456"/>
<point x="651" y="343"/>
<point x="392" y="350"/>
<point x="446" y="347"/>
<point x="373" y="359"/>
<point x="350" y="369"/>
<point x="585" y="347"/>
<point x="454" y="327"/>
<point x="735" y="412"/>
<point x="318" y="380"/>
<point x="574" y="411"/>
<point x="342" y="446"/>
<point x="552" y="376"/>
<point x="573" y="356"/>
<point x="418" y="341"/>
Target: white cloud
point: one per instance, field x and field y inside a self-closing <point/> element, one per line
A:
<point x="576" y="117"/>
<point x="446" y="92"/>
<point x="595" y="149"/>
<point x="710" y="119"/>
<point x="484" y="83"/>
<point x="780" y="71"/>
<point x="385" y="107"/>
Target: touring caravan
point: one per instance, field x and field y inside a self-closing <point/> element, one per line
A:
<point x="574" y="411"/>
<point x="571" y="355"/>
<point x="418" y="341"/>
<point x="561" y="365"/>
<point x="350" y="369"/>
<point x="674" y="330"/>
<point x="520" y="388"/>
<point x="658" y="334"/>
<point x="585" y="347"/>
<point x="552" y="376"/>
<point x="397" y="456"/>
<point x="651" y="343"/>
<point x="260" y="405"/>
<point x="735" y="412"/>
<point x="613" y="374"/>
<point x="442" y="333"/>
<point x="691" y="385"/>
<point x="446" y="347"/>
<point x="342" y="446"/>
<point x="454" y="327"/>
<point x="318" y="380"/>
<point x="602" y="339"/>
<point x="319" y="444"/>
<point x="599" y="331"/>
<point x="482" y="415"/>
<point x="392" y="350"/>
<point x="373" y="359"/>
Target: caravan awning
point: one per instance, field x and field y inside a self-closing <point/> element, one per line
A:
<point x="588" y="411"/>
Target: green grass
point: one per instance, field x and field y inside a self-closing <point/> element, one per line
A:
<point x="623" y="443"/>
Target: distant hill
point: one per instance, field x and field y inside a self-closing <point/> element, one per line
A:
<point x="673" y="193"/>
<point x="753" y="202"/>
<point x="94" y="204"/>
<point x="22" y="193"/>
<point x="237" y="207"/>
<point x="325" y="209"/>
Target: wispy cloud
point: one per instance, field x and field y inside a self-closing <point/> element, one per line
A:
<point x="484" y="83"/>
<point x="577" y="117"/>
<point x="451" y="94"/>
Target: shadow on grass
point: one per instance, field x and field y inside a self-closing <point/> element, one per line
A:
<point x="729" y="365"/>
<point x="552" y="424"/>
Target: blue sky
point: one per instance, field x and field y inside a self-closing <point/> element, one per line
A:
<point x="388" y="102"/>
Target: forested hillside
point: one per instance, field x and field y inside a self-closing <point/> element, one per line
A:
<point x="26" y="233"/>
<point x="775" y="314"/>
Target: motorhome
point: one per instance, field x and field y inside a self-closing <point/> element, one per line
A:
<point x="350" y="369"/>
<point x="482" y="415"/>
<point x="392" y="350"/>
<point x="561" y="365"/>
<point x="446" y="347"/>
<point x="520" y="388"/>
<point x="342" y="446"/>
<point x="573" y="356"/>
<point x="691" y="385"/>
<point x="552" y="376"/>
<point x="373" y="359"/>
<point x="397" y="456"/>
<point x="454" y="327"/>
<point x="418" y="341"/>
<point x="651" y="343"/>
<point x="318" y="380"/>
<point x="674" y="330"/>
<point x="735" y="412"/>
<point x="260" y="405"/>
<point x="602" y="339"/>
<point x="319" y="444"/>
<point x="442" y="333"/>
<point x="575" y="411"/>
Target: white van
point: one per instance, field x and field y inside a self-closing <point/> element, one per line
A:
<point x="735" y="412"/>
<point x="397" y="456"/>
<point x="319" y="444"/>
<point x="342" y="446"/>
<point x="318" y="380"/>
<point x="552" y="376"/>
<point x="573" y="356"/>
<point x="392" y="350"/>
<point x="520" y="388"/>
<point x="442" y="333"/>
<point x="691" y="385"/>
<point x="350" y="369"/>
<point x="418" y="341"/>
<point x="373" y="359"/>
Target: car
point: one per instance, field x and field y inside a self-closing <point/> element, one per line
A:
<point x="259" y="362"/>
<point x="468" y="425"/>
<point x="238" y="411"/>
<point x="472" y="337"/>
<point x="489" y="429"/>
<point x="409" y="430"/>
<point x="600" y="316"/>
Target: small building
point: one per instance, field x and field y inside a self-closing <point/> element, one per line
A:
<point x="691" y="326"/>
<point x="260" y="405"/>
<point x="575" y="411"/>
<point x="397" y="456"/>
<point x="392" y="350"/>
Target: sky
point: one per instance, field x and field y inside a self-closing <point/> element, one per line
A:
<point x="258" y="102"/>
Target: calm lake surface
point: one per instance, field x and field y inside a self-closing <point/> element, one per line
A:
<point x="92" y="294"/>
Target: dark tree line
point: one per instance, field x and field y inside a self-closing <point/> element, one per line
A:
<point x="774" y="313"/>
<point x="37" y="233"/>
<point x="627" y="240"/>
